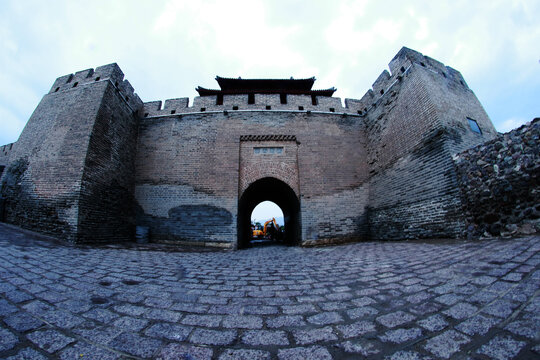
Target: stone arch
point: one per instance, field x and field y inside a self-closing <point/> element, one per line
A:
<point x="277" y="191"/>
<point x="282" y="171"/>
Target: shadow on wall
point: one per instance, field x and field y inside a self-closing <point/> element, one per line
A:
<point x="193" y="223"/>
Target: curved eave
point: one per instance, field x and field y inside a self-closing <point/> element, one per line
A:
<point x="209" y="92"/>
<point x="271" y="84"/>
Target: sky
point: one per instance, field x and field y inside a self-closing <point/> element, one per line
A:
<point x="167" y="48"/>
<point x="266" y="211"/>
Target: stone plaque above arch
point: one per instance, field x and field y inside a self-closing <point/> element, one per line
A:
<point x="263" y="156"/>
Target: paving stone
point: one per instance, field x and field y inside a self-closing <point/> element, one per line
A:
<point x="130" y="323"/>
<point x="334" y="305"/>
<point x="168" y="331"/>
<point x="132" y="310"/>
<point x="303" y="337"/>
<point x="362" y="312"/>
<point x="513" y="277"/>
<point x="449" y="299"/>
<point x="299" y="309"/>
<point x="6" y="308"/>
<point x="446" y="344"/>
<point x="461" y="310"/>
<point x="500" y="287"/>
<point x="399" y="336"/>
<point x="363" y="347"/>
<point x="406" y="355"/>
<point x="418" y="297"/>
<point x="99" y="335"/>
<point x="22" y="321"/>
<point x="161" y="314"/>
<point x="265" y="337"/>
<point x="102" y="315"/>
<point x="182" y="351"/>
<point x="500" y="308"/>
<point x="356" y="329"/>
<point x="477" y="325"/>
<point x="17" y="296"/>
<point x="483" y="297"/>
<point x="135" y="344"/>
<point x="425" y="308"/>
<point x="37" y="307"/>
<point x="433" y="323"/>
<point x="363" y="301"/>
<point x="483" y="280"/>
<point x="8" y="340"/>
<point x="528" y="328"/>
<point x="244" y="354"/>
<point x="27" y="354"/>
<point x="50" y="340"/>
<point x="395" y="319"/>
<point x="212" y="337"/>
<point x="285" y="321"/>
<point x="62" y="318"/>
<point x="202" y="320"/>
<point x="242" y="322"/>
<point x="325" y="318"/>
<point x="502" y="348"/>
<point x="83" y="350"/>
<point x="302" y="353"/>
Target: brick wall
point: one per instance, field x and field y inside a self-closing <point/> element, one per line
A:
<point x="199" y="156"/>
<point x="44" y="180"/>
<point x="106" y="206"/>
<point x="94" y="161"/>
<point x="414" y="126"/>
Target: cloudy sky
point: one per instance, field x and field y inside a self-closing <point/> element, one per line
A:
<point x="167" y="48"/>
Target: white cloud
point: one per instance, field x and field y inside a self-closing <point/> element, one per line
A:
<point x="167" y="48"/>
<point x="510" y="124"/>
<point x="11" y="126"/>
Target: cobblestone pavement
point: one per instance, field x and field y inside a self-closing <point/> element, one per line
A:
<point x="395" y="300"/>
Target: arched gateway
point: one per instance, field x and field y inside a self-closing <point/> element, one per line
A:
<point x="274" y="190"/>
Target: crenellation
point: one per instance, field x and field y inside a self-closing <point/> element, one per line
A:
<point x="434" y="64"/>
<point x="177" y="105"/>
<point x="456" y="76"/>
<point x="381" y="84"/>
<point x="206" y="102"/>
<point x="367" y="101"/>
<point x="109" y="72"/>
<point x="238" y="101"/>
<point x="241" y="102"/>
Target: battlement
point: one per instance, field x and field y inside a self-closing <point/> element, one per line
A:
<point x="404" y="60"/>
<point x="249" y="102"/>
<point x="110" y="72"/>
<point x="5" y="151"/>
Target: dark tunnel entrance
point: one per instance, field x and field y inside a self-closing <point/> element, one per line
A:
<point x="282" y="195"/>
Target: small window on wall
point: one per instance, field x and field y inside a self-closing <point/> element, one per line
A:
<point x="268" y="150"/>
<point x="474" y="126"/>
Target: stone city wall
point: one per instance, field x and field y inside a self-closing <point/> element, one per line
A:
<point x="499" y="183"/>
<point x="72" y="158"/>
<point x="195" y="159"/>
<point x="417" y="119"/>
